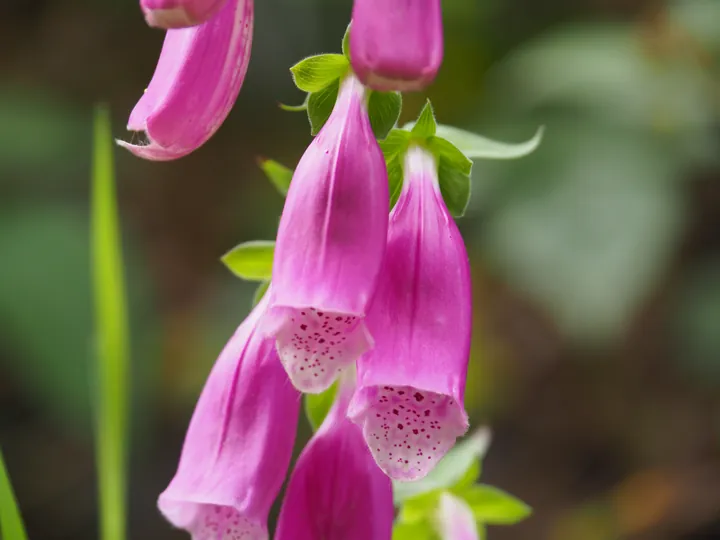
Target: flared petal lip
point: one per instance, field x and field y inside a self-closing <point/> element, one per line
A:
<point x="177" y="17"/>
<point x="379" y="82"/>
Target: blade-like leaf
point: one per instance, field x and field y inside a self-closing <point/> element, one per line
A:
<point x="11" y="524"/>
<point x="477" y="147"/>
<point x="111" y="335"/>
<point x="317" y="72"/>
<point x="451" y="469"/>
<point x="278" y="174"/>
<point x="251" y="261"/>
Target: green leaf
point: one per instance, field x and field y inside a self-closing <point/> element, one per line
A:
<point x="346" y="42"/>
<point x="454" y="187"/>
<point x="317" y="72"/>
<point x="317" y="406"/>
<point x="11" y="524"/>
<point x="320" y="106"/>
<point x="425" y="125"/>
<point x="477" y="147"/>
<point x="260" y="292"/>
<point x="251" y="261"/>
<point x="384" y="110"/>
<point x="395" y="143"/>
<point x="494" y="506"/>
<point x="395" y="179"/>
<point x="111" y="335"/>
<point x="278" y="174"/>
<point x="451" y="469"/>
<point x="413" y="531"/>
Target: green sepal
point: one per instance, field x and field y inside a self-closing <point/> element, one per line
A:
<point x="295" y="108"/>
<point x="395" y="179"/>
<point x="413" y="531"/>
<point x="384" y="110"/>
<point x="451" y="471"/>
<point x="346" y="43"/>
<point x="317" y="406"/>
<point x="320" y="106"/>
<point x="454" y="171"/>
<point x="494" y="506"/>
<point x="478" y="147"/>
<point x="425" y="126"/>
<point x="278" y="174"/>
<point x="251" y="261"/>
<point x="395" y="143"/>
<point x="260" y="292"/>
<point x="316" y="72"/>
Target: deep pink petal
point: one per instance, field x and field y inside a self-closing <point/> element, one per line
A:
<point x="238" y="445"/>
<point x="411" y="385"/>
<point x="330" y="246"/>
<point x="396" y="44"/>
<point x="196" y="82"/>
<point x="179" y="13"/>
<point x="336" y="491"/>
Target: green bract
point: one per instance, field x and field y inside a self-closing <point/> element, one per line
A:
<point x="316" y="72"/>
<point x="251" y="261"/>
<point x="278" y="174"/>
<point x="317" y="406"/>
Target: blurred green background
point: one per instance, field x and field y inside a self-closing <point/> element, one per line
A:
<point x="596" y="356"/>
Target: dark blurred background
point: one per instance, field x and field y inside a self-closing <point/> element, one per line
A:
<point x="596" y="260"/>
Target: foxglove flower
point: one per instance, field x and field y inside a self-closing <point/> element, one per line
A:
<point x="179" y="13"/>
<point x="238" y="446"/>
<point x="336" y="491"/>
<point x="196" y="82"/>
<point x="410" y="386"/>
<point x="396" y="44"/>
<point x="455" y="520"/>
<point x="330" y="246"/>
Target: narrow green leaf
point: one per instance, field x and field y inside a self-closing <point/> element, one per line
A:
<point x="320" y="106"/>
<point x="317" y="72"/>
<point x="278" y="174"/>
<point x="494" y="506"/>
<point x="251" y="261"/>
<point x="346" y="43"/>
<point x="384" y="110"/>
<point x="260" y="292"/>
<point x="111" y="334"/>
<point x="11" y="524"/>
<point x="317" y="406"/>
<point x="395" y="143"/>
<point x="425" y="125"/>
<point x="451" y="469"/>
<point x="477" y="147"/>
<point x="295" y="108"/>
<point x="395" y="179"/>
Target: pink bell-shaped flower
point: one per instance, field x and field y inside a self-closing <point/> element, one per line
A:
<point x="179" y="13"/>
<point x="330" y="246"/>
<point x="238" y="446"/>
<point x="336" y="491"/>
<point x="196" y="82"/>
<point x="409" y="401"/>
<point x="396" y="44"/>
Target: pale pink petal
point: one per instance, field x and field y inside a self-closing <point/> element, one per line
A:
<point x="455" y="519"/>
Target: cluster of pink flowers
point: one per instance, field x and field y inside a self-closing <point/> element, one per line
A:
<point x="373" y="299"/>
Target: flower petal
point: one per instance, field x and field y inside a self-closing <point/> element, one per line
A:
<point x="179" y="13"/>
<point x="196" y="82"/>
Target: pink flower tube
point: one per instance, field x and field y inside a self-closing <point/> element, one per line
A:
<point x="396" y="44"/>
<point x="238" y="446"/>
<point x="455" y="519"/>
<point x="179" y="13"/>
<point x="196" y="82"/>
<point x="336" y="491"/>
<point x="330" y="246"/>
<point x="409" y="401"/>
